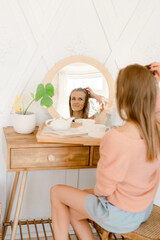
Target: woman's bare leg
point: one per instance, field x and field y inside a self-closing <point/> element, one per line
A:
<point x="80" y="225"/>
<point x="66" y="200"/>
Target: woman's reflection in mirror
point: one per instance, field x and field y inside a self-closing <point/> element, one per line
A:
<point x="79" y="102"/>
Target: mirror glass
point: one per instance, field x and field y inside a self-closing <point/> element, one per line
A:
<point x="79" y="72"/>
<point x="78" y="75"/>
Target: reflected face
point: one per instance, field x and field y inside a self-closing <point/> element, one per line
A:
<point x="77" y="100"/>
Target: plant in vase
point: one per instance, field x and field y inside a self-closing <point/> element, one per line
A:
<point x="24" y="121"/>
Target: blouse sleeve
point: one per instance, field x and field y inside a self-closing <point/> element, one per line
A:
<point x="112" y="166"/>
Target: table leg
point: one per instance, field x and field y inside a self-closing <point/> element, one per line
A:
<point x="19" y="203"/>
<point x="14" y="188"/>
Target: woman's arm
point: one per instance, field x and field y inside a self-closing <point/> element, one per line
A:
<point x="112" y="165"/>
<point x="100" y="99"/>
<point x="92" y="94"/>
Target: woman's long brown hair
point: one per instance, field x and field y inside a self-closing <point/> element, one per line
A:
<point x="86" y="104"/>
<point x="136" y="95"/>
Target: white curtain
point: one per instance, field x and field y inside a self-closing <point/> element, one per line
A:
<point x="62" y="98"/>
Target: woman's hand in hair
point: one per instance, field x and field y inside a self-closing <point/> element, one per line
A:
<point x="94" y="95"/>
<point x="90" y="92"/>
<point x="155" y="69"/>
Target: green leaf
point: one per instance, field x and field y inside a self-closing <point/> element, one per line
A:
<point x="46" y="102"/>
<point x="49" y="89"/>
<point x="39" y="92"/>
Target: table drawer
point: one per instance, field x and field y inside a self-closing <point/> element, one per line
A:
<point x="95" y="156"/>
<point x="49" y="157"/>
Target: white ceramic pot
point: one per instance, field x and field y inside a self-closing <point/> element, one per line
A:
<point x="24" y="124"/>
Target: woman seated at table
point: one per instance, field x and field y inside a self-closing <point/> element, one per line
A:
<point x="79" y="102"/>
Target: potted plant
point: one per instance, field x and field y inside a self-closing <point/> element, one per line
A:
<point x="24" y="121"/>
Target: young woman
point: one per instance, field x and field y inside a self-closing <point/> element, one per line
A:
<point x="79" y="102"/>
<point x="128" y="171"/>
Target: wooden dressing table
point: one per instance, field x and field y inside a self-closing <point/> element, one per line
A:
<point x="25" y="154"/>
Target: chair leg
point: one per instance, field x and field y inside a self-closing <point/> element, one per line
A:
<point x="105" y="235"/>
<point x="112" y="236"/>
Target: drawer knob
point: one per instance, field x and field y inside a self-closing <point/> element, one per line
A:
<point x="51" y="158"/>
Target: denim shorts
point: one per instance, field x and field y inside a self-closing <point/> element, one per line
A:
<point x="112" y="218"/>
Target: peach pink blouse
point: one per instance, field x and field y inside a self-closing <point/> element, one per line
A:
<point x="123" y="174"/>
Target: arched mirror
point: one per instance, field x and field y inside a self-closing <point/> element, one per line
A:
<point x="75" y="72"/>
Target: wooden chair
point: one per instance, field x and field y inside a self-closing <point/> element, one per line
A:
<point x="150" y="230"/>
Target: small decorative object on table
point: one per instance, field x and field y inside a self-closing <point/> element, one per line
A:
<point x="24" y="121"/>
<point x="59" y="123"/>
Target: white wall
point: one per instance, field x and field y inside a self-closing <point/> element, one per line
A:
<point x="36" y="34"/>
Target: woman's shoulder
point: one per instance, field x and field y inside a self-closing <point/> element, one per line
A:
<point x="111" y="138"/>
<point x="121" y="136"/>
<point x="116" y="143"/>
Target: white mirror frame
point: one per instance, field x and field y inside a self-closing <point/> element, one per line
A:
<point x="94" y="63"/>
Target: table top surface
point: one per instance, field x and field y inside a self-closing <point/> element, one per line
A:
<point x="15" y="140"/>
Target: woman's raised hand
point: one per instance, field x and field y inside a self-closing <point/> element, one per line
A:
<point x="98" y="97"/>
<point x="90" y="92"/>
<point x="155" y="68"/>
